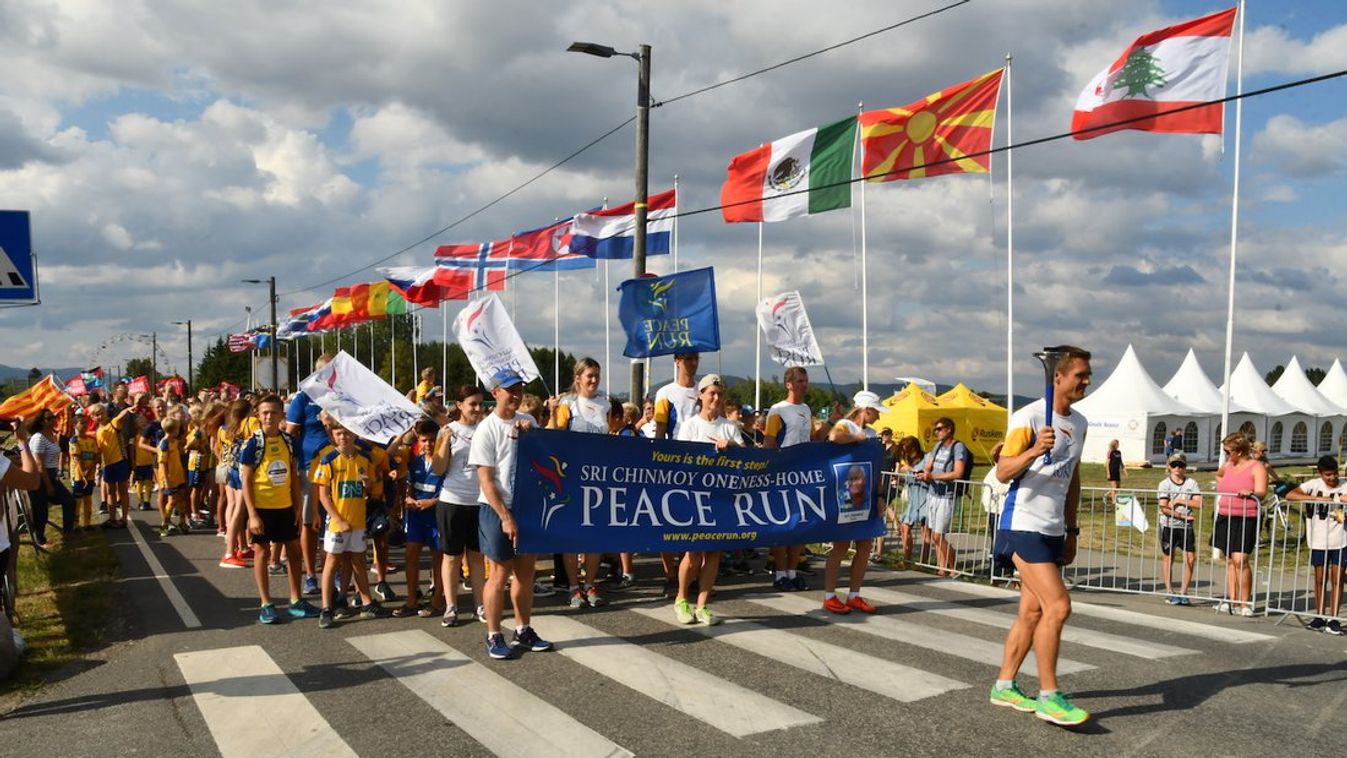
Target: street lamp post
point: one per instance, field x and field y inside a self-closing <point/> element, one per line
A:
<point x="188" y="324"/>
<point x="642" y="57"/>
<point x="275" y="365"/>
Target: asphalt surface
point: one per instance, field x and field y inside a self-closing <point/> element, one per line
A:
<point x="1282" y="694"/>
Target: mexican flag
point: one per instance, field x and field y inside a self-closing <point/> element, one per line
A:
<point x="789" y="177"/>
<point x="1178" y="66"/>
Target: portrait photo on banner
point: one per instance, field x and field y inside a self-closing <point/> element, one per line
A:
<point x="855" y="491"/>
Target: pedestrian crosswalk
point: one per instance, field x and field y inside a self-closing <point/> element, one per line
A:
<point x="500" y="708"/>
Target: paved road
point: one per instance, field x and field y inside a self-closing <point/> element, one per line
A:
<point x="777" y="679"/>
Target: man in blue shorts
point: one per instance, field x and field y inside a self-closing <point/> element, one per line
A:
<point x="1038" y="532"/>
<point x="309" y="436"/>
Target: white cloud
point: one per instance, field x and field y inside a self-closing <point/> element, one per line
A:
<point x="1297" y="149"/>
<point x="1270" y="49"/>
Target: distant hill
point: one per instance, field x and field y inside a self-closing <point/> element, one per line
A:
<point x="14" y="372"/>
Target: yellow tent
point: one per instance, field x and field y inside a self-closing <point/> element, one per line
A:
<point x="978" y="422"/>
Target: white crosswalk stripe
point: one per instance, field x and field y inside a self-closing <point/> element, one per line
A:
<point x="1120" y="615"/>
<point x="883" y="677"/>
<point x="1089" y="637"/>
<point x="722" y="704"/>
<point x="243" y="686"/>
<point x="911" y="633"/>
<point x="504" y="717"/>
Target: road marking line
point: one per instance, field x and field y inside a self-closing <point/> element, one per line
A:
<point x="175" y="597"/>
<point x="505" y="718"/>
<point x="883" y="677"/>
<point x="917" y="635"/>
<point x="733" y="709"/>
<point x="1114" y="642"/>
<point x="253" y="709"/>
<point x="1136" y="618"/>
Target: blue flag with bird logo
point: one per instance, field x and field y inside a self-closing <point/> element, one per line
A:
<point x="664" y="315"/>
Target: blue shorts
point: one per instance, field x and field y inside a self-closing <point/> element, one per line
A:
<point x="117" y="472"/>
<point x="420" y="526"/>
<point x="1330" y="557"/>
<point x="143" y="473"/>
<point x="81" y="488"/>
<point x="196" y="478"/>
<point x="495" y="545"/>
<point x="1031" y="547"/>
<point x="235" y="483"/>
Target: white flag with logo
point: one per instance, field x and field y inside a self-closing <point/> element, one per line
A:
<point x="786" y="329"/>
<point x="490" y="340"/>
<point x="359" y="400"/>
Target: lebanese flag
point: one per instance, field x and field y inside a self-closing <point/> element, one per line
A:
<point x="759" y="183"/>
<point x="1175" y="67"/>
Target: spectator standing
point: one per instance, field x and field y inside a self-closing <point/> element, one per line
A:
<point x="1242" y="483"/>
<point x="946" y="464"/>
<point x="47" y="451"/>
<point x="853" y="429"/>
<point x="1114" y="471"/>
<point x="911" y="460"/>
<point x="1179" y="498"/>
<point x="1321" y="499"/>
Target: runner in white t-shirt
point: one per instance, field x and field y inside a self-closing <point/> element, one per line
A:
<point x="1322" y="500"/>
<point x="853" y="429"/>
<point x="494" y="451"/>
<point x="1038" y="531"/>
<point x="584" y="409"/>
<point x="675" y="402"/>
<point x="790" y="422"/>
<point x="708" y="425"/>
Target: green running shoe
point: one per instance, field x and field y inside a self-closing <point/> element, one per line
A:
<point x="706" y="617"/>
<point x="1012" y="697"/>
<point x="683" y="612"/>
<point x="1060" y="711"/>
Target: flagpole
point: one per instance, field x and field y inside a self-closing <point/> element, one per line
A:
<point x="372" y="366"/>
<point x="1010" y="251"/>
<point x="444" y="353"/>
<point x="393" y="350"/>
<point x="607" y="333"/>
<point x="1234" y="228"/>
<point x="556" y="321"/>
<point x="865" y="285"/>
<point x="416" y="333"/>
<point x="757" y="334"/>
<point x="675" y="226"/>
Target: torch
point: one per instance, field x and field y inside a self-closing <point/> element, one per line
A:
<point x="1049" y="358"/>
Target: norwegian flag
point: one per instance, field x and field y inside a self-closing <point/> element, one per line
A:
<point x="487" y="260"/>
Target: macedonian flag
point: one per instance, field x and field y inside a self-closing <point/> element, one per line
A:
<point x="934" y="135"/>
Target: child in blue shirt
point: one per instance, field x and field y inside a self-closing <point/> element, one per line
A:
<point x="423" y="493"/>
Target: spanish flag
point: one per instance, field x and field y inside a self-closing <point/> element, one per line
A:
<point x="44" y="395"/>
<point x="943" y="128"/>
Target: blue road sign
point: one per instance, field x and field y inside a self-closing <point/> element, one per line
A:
<point x="18" y="272"/>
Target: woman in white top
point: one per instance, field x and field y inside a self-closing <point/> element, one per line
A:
<point x="708" y="425"/>
<point x="47" y="450"/>
<point x="854" y="428"/>
<point x="456" y="513"/>
<point x="584" y="409"/>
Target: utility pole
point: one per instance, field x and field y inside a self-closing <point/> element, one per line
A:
<point x="188" y="324"/>
<point x="642" y="187"/>
<point x="275" y="370"/>
<point x="154" y="362"/>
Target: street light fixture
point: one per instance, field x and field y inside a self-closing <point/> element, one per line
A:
<point x="642" y="57"/>
<point x="188" y="324"/>
<point x="275" y="365"/>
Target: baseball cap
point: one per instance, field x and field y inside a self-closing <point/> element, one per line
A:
<point x="505" y="378"/>
<point x="746" y="409"/>
<point x="709" y="380"/>
<point x="867" y="399"/>
<point x="1177" y="458"/>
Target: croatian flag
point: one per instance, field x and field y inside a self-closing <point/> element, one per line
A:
<point x="429" y="285"/>
<point x="547" y="249"/>
<point x="488" y="261"/>
<point x="611" y="233"/>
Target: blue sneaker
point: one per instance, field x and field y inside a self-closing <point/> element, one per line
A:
<point x="267" y="615"/>
<point x="496" y="647"/>
<point x="302" y="609"/>
<point x="311" y="585"/>
<point x="530" y="640"/>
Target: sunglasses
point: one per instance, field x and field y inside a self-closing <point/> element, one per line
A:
<point x="942" y="428"/>
<point x="1178" y="465"/>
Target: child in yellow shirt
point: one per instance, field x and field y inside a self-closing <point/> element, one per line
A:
<point x="344" y="476"/>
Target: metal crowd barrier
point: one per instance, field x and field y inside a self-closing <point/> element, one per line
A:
<point x="1290" y="582"/>
<point x="1114" y="553"/>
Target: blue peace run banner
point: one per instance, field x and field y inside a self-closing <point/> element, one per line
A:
<point x="580" y="493"/>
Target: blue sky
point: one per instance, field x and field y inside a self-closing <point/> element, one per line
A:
<point x="168" y="150"/>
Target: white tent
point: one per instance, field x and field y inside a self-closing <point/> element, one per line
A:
<point x="1281" y="419"/>
<point x="1130" y="407"/>
<point x="1334" y="385"/>
<point x="1190" y="386"/>
<point x="1297" y="390"/>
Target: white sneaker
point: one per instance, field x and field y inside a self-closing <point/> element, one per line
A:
<point x="1246" y="612"/>
<point x="1223" y="608"/>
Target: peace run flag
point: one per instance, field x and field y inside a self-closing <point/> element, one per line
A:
<point x="806" y="173"/>
<point x="785" y="326"/>
<point x="1175" y="67"/>
<point x="671" y="314"/>
<point x="490" y="340"/>
<point x="933" y="136"/>
<point x="359" y="400"/>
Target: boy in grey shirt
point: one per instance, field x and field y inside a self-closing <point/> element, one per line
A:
<point x="1179" y="497"/>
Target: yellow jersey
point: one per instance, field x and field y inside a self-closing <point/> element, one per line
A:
<point x="84" y="451"/>
<point x="109" y="439"/>
<point x="347" y="478"/>
<point x="273" y="464"/>
<point x="171" y="472"/>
